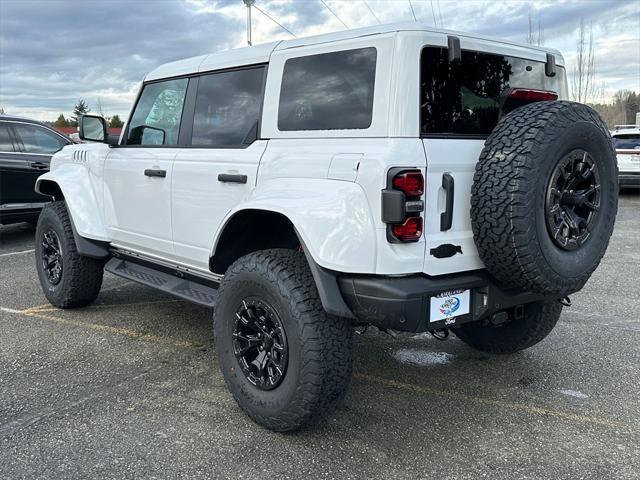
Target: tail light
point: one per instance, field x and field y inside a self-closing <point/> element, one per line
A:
<point x="512" y="98"/>
<point x="532" y="95"/>
<point x="409" y="231"/>
<point x="411" y="183"/>
<point x="402" y="205"/>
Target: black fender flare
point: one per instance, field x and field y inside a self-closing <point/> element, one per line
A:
<point x="327" y="285"/>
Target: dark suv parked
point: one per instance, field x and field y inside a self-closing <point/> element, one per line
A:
<point x="26" y="147"/>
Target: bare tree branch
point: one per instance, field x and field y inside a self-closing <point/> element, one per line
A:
<point x="583" y="84"/>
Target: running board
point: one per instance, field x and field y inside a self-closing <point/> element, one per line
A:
<point x="167" y="282"/>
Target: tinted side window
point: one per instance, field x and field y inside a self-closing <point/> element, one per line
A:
<point x="156" y="119"/>
<point x="328" y="91"/>
<point x="227" y="107"/>
<point x="463" y="98"/>
<point x="37" y="139"/>
<point x="6" y="145"/>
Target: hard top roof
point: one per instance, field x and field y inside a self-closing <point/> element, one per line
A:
<point x="261" y="53"/>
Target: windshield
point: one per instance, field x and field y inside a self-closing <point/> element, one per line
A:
<point x="627" y="142"/>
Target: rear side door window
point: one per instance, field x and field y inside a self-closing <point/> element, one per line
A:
<point x="329" y="91"/>
<point x="36" y="139"/>
<point x="158" y="114"/>
<point x="227" y="108"/>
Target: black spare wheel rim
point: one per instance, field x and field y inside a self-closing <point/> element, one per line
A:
<point x="260" y="343"/>
<point x="573" y="199"/>
<point x="52" y="257"/>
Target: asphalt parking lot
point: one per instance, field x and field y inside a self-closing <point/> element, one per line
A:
<point x="129" y="387"/>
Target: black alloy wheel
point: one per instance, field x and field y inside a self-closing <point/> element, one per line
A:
<point x="52" y="257"/>
<point x="260" y="343"/>
<point x="573" y="199"/>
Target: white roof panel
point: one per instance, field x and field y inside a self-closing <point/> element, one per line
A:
<point x="215" y="61"/>
<point x="238" y="57"/>
<point x="261" y="53"/>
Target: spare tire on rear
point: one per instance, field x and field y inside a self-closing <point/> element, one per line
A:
<point x="545" y="197"/>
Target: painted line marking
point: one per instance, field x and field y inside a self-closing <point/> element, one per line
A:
<point x="423" y="389"/>
<point x="147" y="337"/>
<point x="9" y="310"/>
<point x="50" y="308"/>
<point x="16" y="253"/>
<point x="542" y="411"/>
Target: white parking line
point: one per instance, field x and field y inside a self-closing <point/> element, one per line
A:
<point x="17" y="253"/>
<point x="9" y="310"/>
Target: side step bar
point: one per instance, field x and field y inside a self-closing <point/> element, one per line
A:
<point x="167" y="282"/>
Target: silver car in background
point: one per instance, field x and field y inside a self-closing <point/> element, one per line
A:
<point x="626" y="140"/>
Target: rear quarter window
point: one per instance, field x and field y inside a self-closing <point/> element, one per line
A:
<point x="328" y="91"/>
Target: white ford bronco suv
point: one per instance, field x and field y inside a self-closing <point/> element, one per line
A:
<point x="397" y="176"/>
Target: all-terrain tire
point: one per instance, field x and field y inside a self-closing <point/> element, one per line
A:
<point x="510" y="207"/>
<point x="81" y="277"/>
<point x="318" y="371"/>
<point x="537" y="322"/>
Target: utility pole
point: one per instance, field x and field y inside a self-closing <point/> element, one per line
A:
<point x="249" y="4"/>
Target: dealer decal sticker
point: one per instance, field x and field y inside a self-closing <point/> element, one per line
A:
<point x="447" y="305"/>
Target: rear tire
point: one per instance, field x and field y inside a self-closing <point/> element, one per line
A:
<point x="68" y="279"/>
<point x="515" y="335"/>
<point x="273" y="291"/>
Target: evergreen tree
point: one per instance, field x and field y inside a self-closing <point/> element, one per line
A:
<point x="61" y="122"/>
<point x="115" y="122"/>
<point x="80" y="109"/>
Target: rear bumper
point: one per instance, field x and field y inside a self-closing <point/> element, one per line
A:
<point x="402" y="303"/>
<point x="629" y="179"/>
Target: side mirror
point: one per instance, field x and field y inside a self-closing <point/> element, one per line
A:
<point x="93" y="128"/>
<point x="146" y="135"/>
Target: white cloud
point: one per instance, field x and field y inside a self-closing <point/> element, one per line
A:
<point x="54" y="52"/>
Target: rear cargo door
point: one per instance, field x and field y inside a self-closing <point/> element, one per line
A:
<point x="449" y="239"/>
<point x="459" y="108"/>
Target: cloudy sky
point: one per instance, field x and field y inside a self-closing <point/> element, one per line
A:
<point x="55" y="52"/>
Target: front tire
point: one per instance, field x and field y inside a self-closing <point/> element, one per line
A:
<point x="284" y="359"/>
<point x="537" y="322"/>
<point x="68" y="279"/>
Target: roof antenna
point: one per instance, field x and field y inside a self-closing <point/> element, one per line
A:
<point x="249" y="4"/>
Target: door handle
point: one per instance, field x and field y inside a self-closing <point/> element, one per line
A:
<point x="39" y="165"/>
<point x="150" y="172"/>
<point x="446" y="217"/>
<point x="232" y="178"/>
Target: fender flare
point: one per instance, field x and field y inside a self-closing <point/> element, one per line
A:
<point x="327" y="286"/>
<point x="66" y="183"/>
<point x="74" y="181"/>
<point x="331" y="217"/>
<point x="333" y="224"/>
